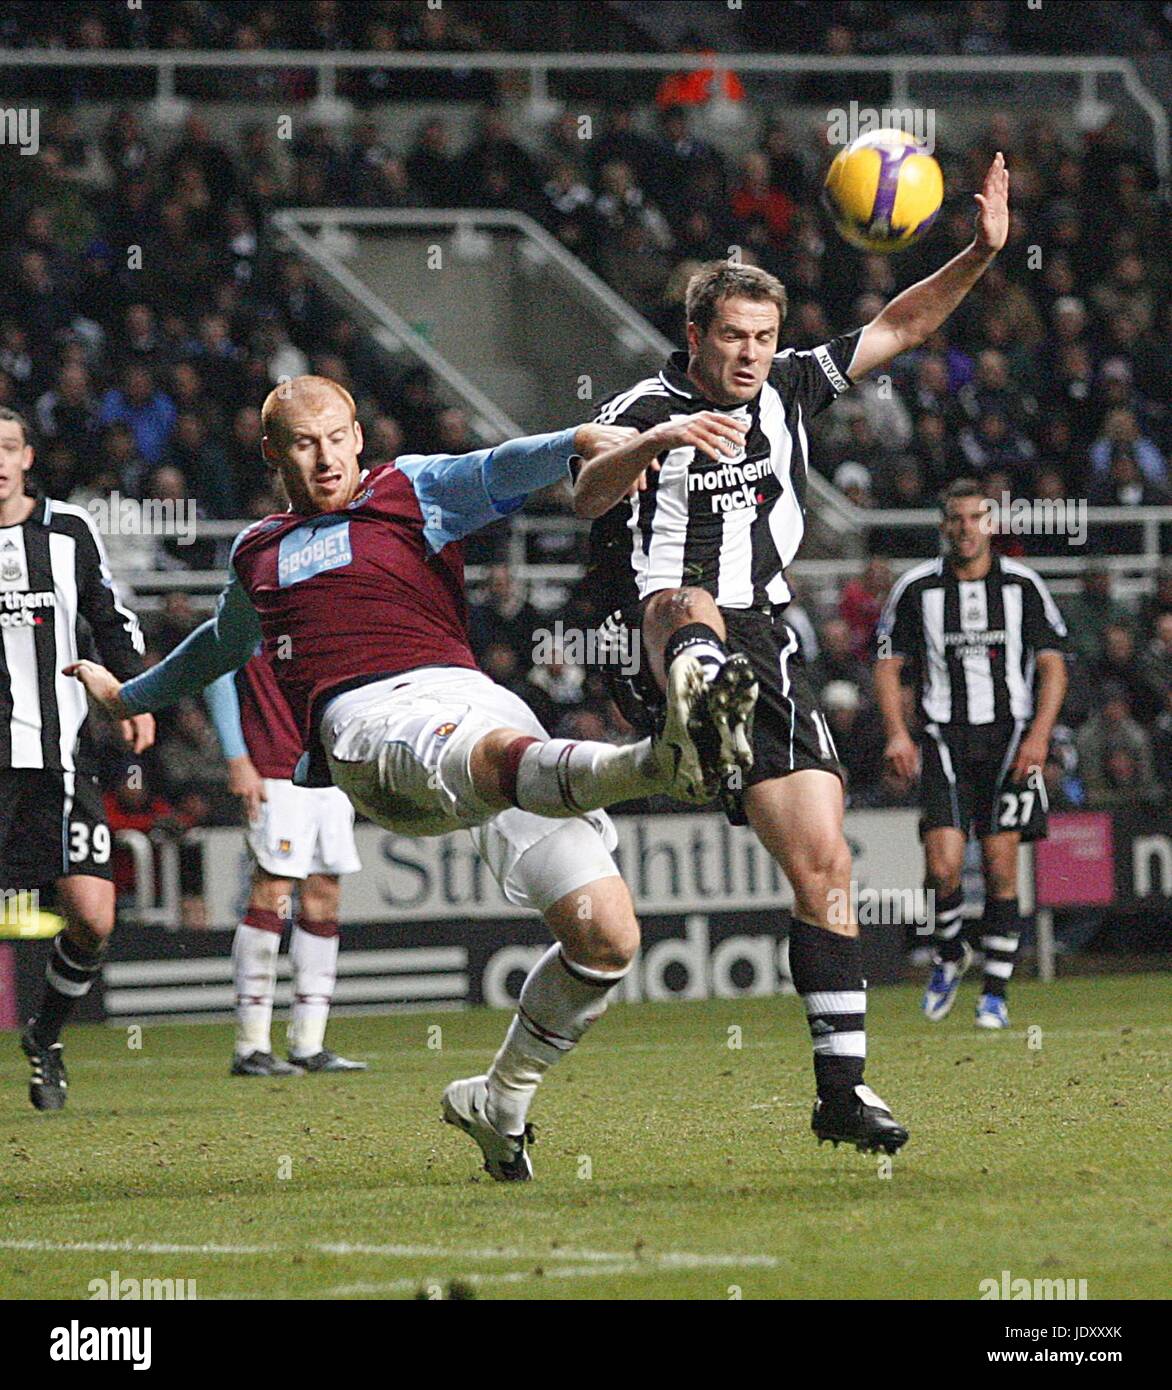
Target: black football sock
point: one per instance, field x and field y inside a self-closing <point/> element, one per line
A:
<point x="948" y="931"/>
<point x="999" y="937"/>
<point x="698" y="640"/>
<point x="827" y="971"/>
<point x="70" y="972"/>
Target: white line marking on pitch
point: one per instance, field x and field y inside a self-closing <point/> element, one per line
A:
<point x="668" y="1259"/>
<point x="514" y="1277"/>
<point x="129" y="1247"/>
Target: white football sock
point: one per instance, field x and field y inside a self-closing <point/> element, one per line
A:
<point x="254" y="971"/>
<point x="565" y="777"/>
<point x="559" y="1001"/>
<point x="314" y="958"/>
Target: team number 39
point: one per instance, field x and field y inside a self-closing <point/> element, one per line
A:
<point x="81" y="847"/>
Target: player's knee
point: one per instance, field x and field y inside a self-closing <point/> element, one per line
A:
<point x="596" y="923"/>
<point x="618" y="942"/>
<point x="942" y="873"/>
<point x="825" y="864"/>
<point x="670" y="608"/>
<point x="320" y="898"/>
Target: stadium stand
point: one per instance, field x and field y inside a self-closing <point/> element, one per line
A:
<point x="146" y="383"/>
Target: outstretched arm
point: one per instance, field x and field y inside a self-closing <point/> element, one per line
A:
<point x="460" y="493"/>
<point x="916" y="313"/>
<point x="220" y="645"/>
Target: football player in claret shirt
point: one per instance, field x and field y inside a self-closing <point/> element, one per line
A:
<point x="301" y="836"/>
<point x="357" y="593"/>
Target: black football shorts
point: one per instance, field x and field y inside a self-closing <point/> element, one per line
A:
<point x="790" y="732"/>
<point x="965" y="782"/>
<point x="52" y="824"/>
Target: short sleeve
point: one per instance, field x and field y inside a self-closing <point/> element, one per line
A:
<point x="1043" y="628"/>
<point x="896" y="630"/>
<point x="814" y="378"/>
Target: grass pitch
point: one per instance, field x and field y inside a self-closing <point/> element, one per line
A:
<point x="669" y="1164"/>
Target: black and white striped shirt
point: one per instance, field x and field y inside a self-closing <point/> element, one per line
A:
<point x="972" y="643"/>
<point x="55" y="583"/>
<point x="729" y="527"/>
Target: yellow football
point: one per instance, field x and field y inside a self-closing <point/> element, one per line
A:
<point x="883" y="191"/>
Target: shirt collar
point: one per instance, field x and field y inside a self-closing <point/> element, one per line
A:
<point x="675" y="377"/>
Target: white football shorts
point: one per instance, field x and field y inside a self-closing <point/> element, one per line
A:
<point x="304" y="830"/>
<point x="400" y="749"/>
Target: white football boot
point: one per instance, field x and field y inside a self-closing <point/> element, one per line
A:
<point x="465" y="1106"/>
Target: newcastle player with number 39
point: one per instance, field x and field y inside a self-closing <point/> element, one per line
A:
<point x="54" y="575"/>
<point x="975" y="627"/>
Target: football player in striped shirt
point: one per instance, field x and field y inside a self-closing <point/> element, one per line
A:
<point x="697" y="517"/>
<point x="978" y="630"/>
<point x="55" y="582"/>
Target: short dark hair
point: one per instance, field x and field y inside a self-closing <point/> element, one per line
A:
<point x="959" y="487"/>
<point x="719" y="280"/>
<point x="7" y="413"/>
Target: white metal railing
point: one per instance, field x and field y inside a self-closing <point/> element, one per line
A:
<point x="1134" y="570"/>
<point x="900" y="68"/>
<point x="153" y="907"/>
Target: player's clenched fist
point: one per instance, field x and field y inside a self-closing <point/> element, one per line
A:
<point x="719" y="436"/>
<point x="102" y="686"/>
<point x="902" y="757"/>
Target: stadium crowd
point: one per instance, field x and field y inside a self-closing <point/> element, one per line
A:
<point x="144" y="379"/>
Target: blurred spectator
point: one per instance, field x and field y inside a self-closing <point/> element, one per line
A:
<point x="433" y="169"/>
<point x="67" y="414"/>
<point x="554" y="687"/>
<point x="699" y="85"/>
<point x="1114" y="753"/>
<point x="204" y="466"/>
<point x="1089" y="614"/>
<point x="854" y="482"/>
<point x="191" y="758"/>
<point x="861" y="603"/>
<point x="1121" y="428"/>
<point x="838" y="661"/>
<point x="1153" y="605"/>
<point x="858" y="737"/>
<point x="147" y="411"/>
<point x="1120" y="666"/>
<point x="504" y="615"/>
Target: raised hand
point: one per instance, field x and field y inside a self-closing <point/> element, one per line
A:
<point x="993" y="202"/>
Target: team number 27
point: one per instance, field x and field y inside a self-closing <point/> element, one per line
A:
<point x="1016" y="808"/>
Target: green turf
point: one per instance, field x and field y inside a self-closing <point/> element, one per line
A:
<point x="668" y="1164"/>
